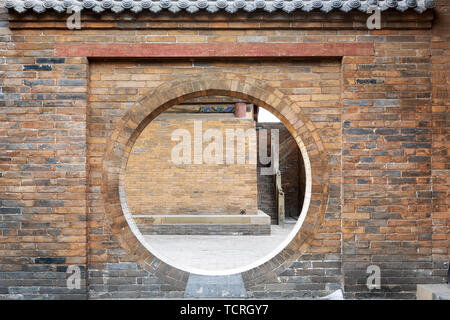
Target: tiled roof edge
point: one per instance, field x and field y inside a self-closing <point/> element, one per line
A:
<point x="213" y="6"/>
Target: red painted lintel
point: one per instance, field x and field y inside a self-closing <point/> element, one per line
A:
<point x="215" y="50"/>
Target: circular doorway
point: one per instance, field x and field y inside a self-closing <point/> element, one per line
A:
<point x="167" y="95"/>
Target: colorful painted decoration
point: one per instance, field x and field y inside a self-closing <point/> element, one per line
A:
<point x="216" y="109"/>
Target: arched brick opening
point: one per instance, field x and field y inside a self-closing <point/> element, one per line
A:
<point x="171" y="93"/>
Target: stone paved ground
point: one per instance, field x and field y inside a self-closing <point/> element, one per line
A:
<point x="218" y="252"/>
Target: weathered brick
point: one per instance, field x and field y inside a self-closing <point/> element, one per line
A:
<point x="37" y="67"/>
<point x="387" y="202"/>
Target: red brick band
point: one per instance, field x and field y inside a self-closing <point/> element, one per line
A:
<point x="216" y="50"/>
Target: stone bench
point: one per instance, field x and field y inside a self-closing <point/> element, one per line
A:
<point x="204" y="224"/>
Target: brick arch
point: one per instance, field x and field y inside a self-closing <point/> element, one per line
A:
<point x="174" y="92"/>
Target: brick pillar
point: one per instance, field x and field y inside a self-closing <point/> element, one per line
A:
<point x="240" y="109"/>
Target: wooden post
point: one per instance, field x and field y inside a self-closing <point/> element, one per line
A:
<point x="240" y="109"/>
<point x="280" y="198"/>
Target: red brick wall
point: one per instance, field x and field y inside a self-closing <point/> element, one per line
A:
<point x="440" y="161"/>
<point x="382" y="120"/>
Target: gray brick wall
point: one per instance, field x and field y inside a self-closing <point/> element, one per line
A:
<point x="205" y="229"/>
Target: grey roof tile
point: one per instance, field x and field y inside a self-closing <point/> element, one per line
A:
<point x="212" y="6"/>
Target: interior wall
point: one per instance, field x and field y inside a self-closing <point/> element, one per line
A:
<point x="156" y="184"/>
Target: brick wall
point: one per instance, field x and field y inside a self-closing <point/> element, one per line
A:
<point x="113" y="88"/>
<point x="156" y="185"/>
<point x="440" y="160"/>
<point x="382" y="120"/>
<point x="43" y="168"/>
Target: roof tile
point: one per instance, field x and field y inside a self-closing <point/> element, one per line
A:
<point x="212" y="6"/>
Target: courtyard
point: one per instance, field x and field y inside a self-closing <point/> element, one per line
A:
<point x="224" y="254"/>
